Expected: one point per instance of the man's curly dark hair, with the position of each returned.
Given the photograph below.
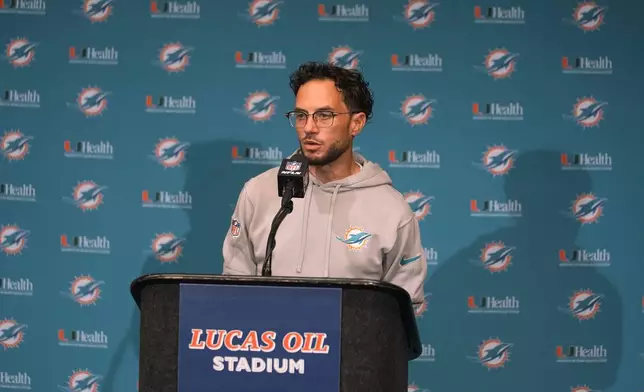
(356, 93)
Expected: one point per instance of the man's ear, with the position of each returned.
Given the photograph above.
(358, 122)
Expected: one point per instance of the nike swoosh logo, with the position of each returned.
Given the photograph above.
(405, 261)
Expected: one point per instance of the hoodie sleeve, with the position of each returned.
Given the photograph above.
(405, 263)
(238, 249)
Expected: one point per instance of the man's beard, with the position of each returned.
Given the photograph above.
(335, 151)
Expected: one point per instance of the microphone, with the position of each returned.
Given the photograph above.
(292, 178)
(292, 181)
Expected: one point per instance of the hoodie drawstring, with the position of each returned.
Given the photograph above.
(329, 231)
(308, 197)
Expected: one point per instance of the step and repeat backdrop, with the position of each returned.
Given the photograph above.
(512, 128)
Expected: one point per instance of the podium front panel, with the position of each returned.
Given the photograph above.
(259, 338)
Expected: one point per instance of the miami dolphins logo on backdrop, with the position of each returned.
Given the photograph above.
(419, 14)
(14, 145)
(11, 333)
(20, 52)
(419, 204)
(588, 208)
(259, 106)
(97, 11)
(13, 239)
(493, 353)
(416, 110)
(495, 257)
(587, 112)
(91, 101)
(170, 152)
(84, 290)
(81, 380)
(173, 57)
(499, 63)
(167, 247)
(497, 160)
(345, 57)
(588, 16)
(355, 238)
(263, 12)
(87, 195)
(583, 305)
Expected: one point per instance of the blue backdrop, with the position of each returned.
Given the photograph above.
(511, 127)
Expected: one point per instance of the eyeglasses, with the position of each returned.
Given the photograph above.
(322, 118)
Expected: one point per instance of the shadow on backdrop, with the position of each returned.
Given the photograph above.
(542, 288)
(215, 183)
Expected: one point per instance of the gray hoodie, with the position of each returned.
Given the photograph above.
(357, 227)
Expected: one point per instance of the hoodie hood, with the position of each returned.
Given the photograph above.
(371, 175)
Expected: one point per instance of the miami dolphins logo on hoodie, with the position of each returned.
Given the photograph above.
(355, 238)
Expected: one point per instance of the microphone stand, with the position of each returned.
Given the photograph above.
(285, 209)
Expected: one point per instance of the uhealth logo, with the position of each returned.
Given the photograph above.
(97, 11)
(16, 286)
(14, 145)
(428, 355)
(586, 161)
(499, 63)
(79, 338)
(599, 257)
(170, 152)
(87, 195)
(184, 104)
(259, 106)
(13, 239)
(263, 12)
(493, 305)
(512, 111)
(499, 15)
(107, 55)
(175, 9)
(88, 150)
(582, 354)
(254, 155)
(23, 7)
(587, 112)
(164, 199)
(20, 52)
(17, 192)
(20, 380)
(601, 65)
(263, 60)
(20, 99)
(496, 208)
(419, 14)
(413, 159)
(85, 244)
(343, 13)
(12, 333)
(345, 57)
(174, 57)
(416, 62)
(84, 290)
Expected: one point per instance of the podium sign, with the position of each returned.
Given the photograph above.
(259, 338)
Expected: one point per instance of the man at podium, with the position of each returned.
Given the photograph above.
(350, 222)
